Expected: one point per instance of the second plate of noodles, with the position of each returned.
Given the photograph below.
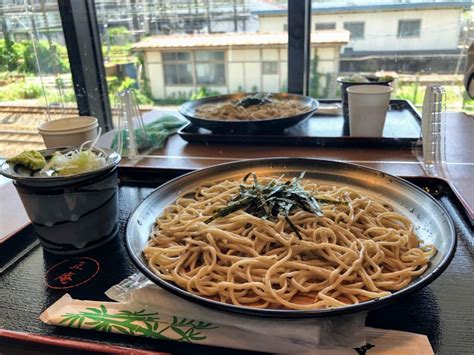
(277, 243)
(252, 112)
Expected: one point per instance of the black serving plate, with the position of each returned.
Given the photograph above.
(188, 110)
(444, 310)
(430, 219)
(402, 129)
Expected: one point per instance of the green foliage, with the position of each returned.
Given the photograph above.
(51, 60)
(118, 53)
(117, 85)
(9, 55)
(31, 91)
(117, 31)
(315, 78)
(20, 91)
(60, 83)
(142, 98)
(455, 95)
(119, 36)
(172, 100)
(54, 98)
(203, 92)
(328, 77)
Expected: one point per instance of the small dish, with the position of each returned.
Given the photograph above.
(27, 177)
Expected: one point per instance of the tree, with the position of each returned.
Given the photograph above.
(40, 54)
(8, 56)
(314, 85)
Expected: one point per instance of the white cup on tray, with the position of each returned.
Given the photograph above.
(368, 106)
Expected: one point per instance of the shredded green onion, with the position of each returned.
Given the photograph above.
(76, 161)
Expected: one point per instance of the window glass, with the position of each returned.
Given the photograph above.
(183, 56)
(409, 28)
(416, 42)
(325, 26)
(206, 56)
(356, 29)
(169, 52)
(175, 71)
(176, 74)
(270, 67)
(35, 79)
(185, 75)
(170, 56)
(210, 74)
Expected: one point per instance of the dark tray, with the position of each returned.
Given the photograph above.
(444, 310)
(402, 129)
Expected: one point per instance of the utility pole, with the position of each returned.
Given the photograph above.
(208, 16)
(235, 16)
(135, 21)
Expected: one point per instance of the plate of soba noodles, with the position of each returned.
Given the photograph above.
(290, 237)
(254, 112)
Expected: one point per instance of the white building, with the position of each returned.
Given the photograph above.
(228, 63)
(416, 29)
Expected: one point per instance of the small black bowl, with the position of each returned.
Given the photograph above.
(189, 108)
(71, 214)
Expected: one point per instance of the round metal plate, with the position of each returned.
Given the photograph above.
(432, 223)
(189, 108)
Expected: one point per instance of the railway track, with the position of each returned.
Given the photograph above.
(7, 136)
(37, 110)
(44, 110)
(18, 126)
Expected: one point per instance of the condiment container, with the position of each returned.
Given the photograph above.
(69, 131)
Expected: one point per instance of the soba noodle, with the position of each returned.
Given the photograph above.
(357, 251)
(230, 111)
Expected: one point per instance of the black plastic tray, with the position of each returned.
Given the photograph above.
(402, 129)
(444, 310)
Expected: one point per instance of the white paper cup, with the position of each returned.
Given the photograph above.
(70, 131)
(368, 106)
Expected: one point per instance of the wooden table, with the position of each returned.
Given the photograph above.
(179, 157)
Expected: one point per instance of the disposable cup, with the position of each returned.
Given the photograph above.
(69, 131)
(368, 106)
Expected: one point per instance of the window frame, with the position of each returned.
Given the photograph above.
(193, 63)
(81, 35)
(299, 46)
(354, 23)
(400, 21)
(80, 27)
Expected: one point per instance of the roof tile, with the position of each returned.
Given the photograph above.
(236, 40)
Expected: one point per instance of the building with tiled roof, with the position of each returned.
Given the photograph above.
(231, 62)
